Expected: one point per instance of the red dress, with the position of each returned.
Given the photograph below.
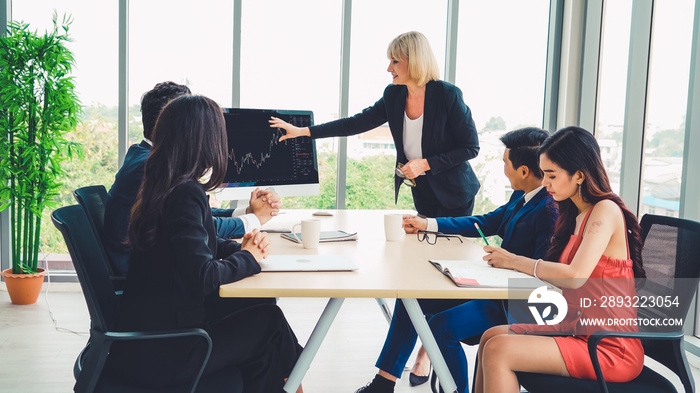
(621, 359)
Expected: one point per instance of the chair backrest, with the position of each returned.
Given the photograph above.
(90, 265)
(94, 199)
(671, 257)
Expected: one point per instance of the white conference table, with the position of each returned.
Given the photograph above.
(398, 270)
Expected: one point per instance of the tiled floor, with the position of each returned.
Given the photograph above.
(39, 342)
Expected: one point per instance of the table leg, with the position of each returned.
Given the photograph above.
(385, 309)
(312, 345)
(426, 336)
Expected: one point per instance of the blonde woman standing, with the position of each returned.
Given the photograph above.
(432, 128)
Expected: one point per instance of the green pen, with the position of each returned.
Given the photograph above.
(481, 233)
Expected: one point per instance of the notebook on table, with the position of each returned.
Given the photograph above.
(479, 273)
(307, 263)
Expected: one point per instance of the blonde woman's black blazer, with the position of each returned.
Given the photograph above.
(449, 137)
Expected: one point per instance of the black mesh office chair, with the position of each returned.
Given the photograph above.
(94, 199)
(92, 270)
(671, 252)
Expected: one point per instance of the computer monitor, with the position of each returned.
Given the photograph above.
(256, 158)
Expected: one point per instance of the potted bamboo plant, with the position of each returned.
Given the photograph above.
(38, 105)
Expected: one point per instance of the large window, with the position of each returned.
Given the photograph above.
(501, 65)
(95, 54)
(666, 107)
(612, 86)
(172, 40)
(95, 75)
(290, 59)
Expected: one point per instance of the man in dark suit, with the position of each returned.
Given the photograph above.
(264, 204)
(525, 224)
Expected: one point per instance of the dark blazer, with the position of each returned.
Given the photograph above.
(526, 232)
(121, 198)
(168, 282)
(169, 286)
(449, 138)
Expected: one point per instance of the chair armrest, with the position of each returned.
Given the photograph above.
(156, 335)
(599, 335)
(595, 338)
(166, 334)
(102, 342)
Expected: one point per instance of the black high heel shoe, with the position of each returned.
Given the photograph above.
(416, 380)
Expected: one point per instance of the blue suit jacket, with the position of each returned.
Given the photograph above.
(527, 232)
(449, 138)
(121, 198)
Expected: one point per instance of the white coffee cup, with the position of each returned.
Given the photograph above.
(393, 227)
(310, 232)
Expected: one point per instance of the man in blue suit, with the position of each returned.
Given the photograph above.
(264, 204)
(525, 224)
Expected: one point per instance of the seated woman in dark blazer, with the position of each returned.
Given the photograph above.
(177, 264)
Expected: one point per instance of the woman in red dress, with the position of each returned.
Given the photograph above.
(598, 247)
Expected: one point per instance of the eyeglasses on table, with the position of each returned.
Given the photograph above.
(431, 237)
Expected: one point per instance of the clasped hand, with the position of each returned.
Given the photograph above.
(256, 243)
(265, 204)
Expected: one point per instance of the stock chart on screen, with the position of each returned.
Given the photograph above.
(256, 157)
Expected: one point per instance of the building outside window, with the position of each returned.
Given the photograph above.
(666, 107)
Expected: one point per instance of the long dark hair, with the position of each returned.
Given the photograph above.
(189, 140)
(575, 149)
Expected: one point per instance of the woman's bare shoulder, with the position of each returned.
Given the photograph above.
(607, 211)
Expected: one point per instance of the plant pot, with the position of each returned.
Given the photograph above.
(24, 288)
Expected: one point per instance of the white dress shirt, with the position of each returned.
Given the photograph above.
(250, 220)
(412, 137)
